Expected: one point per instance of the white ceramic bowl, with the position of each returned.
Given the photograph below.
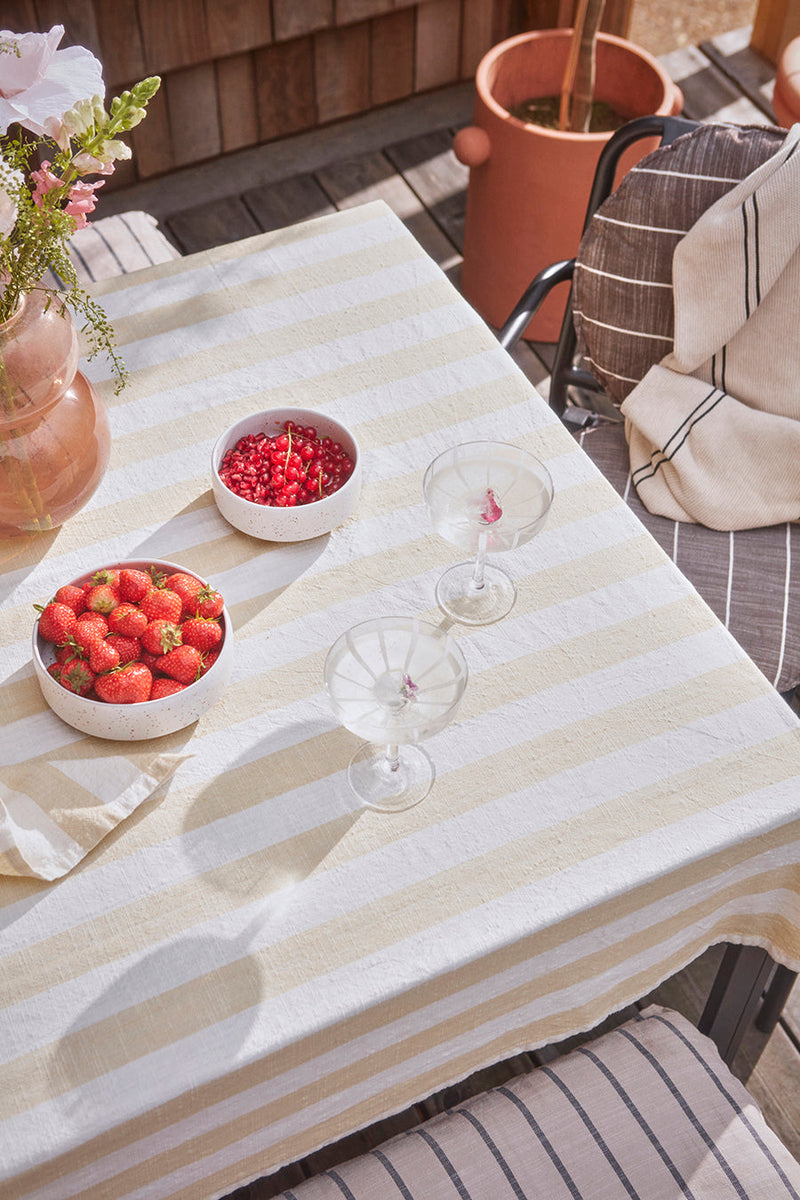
(286, 524)
(135, 722)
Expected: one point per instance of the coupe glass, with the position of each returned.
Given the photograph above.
(394, 681)
(484, 497)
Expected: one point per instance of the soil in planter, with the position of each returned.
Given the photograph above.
(543, 110)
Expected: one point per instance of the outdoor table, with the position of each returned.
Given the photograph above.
(248, 965)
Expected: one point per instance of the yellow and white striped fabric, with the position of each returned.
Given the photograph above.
(249, 966)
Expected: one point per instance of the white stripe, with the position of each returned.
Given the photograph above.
(599, 367)
(633, 225)
(785, 615)
(675, 543)
(657, 337)
(624, 278)
(731, 543)
(687, 175)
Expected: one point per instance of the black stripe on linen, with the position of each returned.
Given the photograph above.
(496, 1154)
(544, 1141)
(455, 1178)
(757, 255)
(340, 1183)
(689, 1113)
(722, 384)
(611, 1158)
(110, 248)
(637, 1115)
(741, 1114)
(746, 252)
(393, 1173)
(686, 426)
(75, 252)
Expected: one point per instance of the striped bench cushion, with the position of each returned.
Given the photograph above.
(647, 1112)
(745, 577)
(116, 245)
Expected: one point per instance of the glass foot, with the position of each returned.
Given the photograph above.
(379, 786)
(457, 595)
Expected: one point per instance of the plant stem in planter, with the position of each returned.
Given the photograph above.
(577, 90)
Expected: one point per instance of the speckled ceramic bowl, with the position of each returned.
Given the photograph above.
(287, 524)
(135, 722)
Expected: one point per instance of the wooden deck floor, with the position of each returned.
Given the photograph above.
(403, 156)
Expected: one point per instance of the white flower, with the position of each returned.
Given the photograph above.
(11, 181)
(41, 83)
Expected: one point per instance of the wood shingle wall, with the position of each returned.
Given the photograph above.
(239, 73)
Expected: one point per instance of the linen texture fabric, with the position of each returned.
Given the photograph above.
(647, 1111)
(623, 309)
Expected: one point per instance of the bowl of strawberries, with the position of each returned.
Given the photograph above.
(286, 474)
(133, 650)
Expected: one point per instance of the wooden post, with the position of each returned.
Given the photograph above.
(775, 24)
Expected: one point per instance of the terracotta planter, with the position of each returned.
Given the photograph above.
(529, 186)
(786, 96)
(54, 437)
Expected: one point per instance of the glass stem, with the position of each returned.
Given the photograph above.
(476, 583)
(393, 758)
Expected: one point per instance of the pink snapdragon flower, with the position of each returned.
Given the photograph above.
(81, 200)
(45, 181)
(81, 197)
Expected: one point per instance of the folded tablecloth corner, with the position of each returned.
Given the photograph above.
(55, 808)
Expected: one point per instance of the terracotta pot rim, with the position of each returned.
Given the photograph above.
(540, 35)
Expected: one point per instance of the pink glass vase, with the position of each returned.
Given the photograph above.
(54, 436)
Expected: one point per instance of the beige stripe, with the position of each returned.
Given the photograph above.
(234, 987)
(246, 246)
(401, 1094)
(259, 349)
(302, 677)
(239, 299)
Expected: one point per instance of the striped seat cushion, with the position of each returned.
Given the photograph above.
(647, 1112)
(745, 577)
(116, 245)
(622, 298)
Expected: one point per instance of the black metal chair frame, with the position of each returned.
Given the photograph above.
(749, 987)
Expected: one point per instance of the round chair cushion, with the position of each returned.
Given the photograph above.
(622, 295)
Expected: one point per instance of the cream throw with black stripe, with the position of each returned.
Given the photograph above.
(714, 429)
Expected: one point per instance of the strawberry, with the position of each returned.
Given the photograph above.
(183, 663)
(74, 598)
(88, 633)
(127, 619)
(149, 659)
(202, 632)
(102, 598)
(56, 621)
(129, 684)
(129, 649)
(187, 587)
(55, 670)
(208, 603)
(77, 676)
(69, 652)
(133, 585)
(165, 687)
(160, 636)
(208, 660)
(109, 575)
(103, 657)
(163, 604)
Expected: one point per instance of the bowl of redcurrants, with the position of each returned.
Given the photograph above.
(286, 474)
(133, 650)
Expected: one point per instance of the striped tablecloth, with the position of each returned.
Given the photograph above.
(248, 966)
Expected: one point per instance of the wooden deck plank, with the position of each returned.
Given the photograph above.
(708, 94)
(431, 169)
(285, 203)
(372, 177)
(211, 224)
(748, 70)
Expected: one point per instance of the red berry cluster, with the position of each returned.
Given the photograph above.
(293, 467)
(126, 636)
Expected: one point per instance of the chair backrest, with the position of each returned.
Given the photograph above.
(622, 272)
